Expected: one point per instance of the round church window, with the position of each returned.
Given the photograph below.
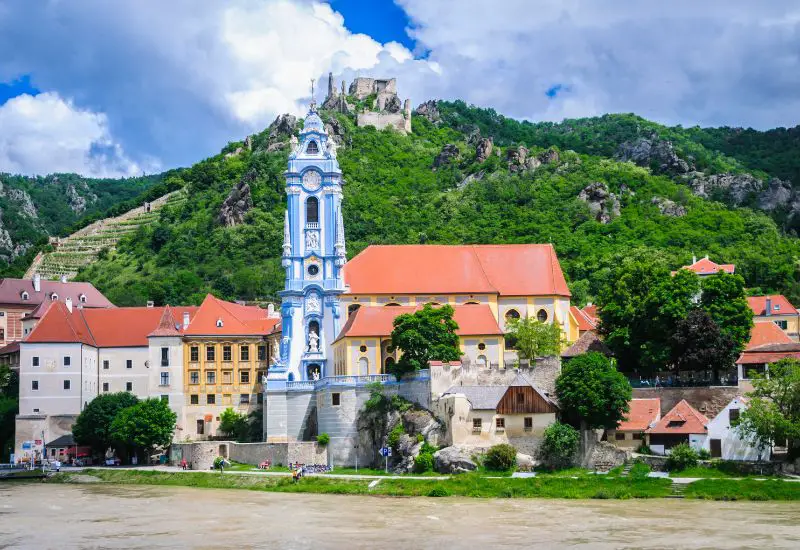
(313, 270)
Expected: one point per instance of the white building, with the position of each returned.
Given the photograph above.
(725, 441)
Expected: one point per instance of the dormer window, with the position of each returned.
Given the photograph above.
(219, 323)
(25, 296)
(54, 297)
(777, 307)
(313, 148)
(82, 298)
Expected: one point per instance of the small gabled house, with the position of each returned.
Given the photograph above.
(776, 309)
(682, 424)
(631, 433)
(482, 416)
(725, 440)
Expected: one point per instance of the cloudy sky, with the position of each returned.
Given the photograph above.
(130, 86)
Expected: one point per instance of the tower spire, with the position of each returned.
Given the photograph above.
(313, 106)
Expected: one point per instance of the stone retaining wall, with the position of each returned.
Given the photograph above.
(200, 455)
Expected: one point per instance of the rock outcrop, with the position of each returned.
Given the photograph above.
(447, 155)
(23, 201)
(603, 204)
(653, 152)
(469, 179)
(335, 130)
(453, 460)
(549, 156)
(429, 110)
(736, 189)
(483, 149)
(76, 202)
(517, 158)
(668, 207)
(283, 127)
(777, 195)
(238, 202)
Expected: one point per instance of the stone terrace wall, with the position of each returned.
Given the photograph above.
(709, 401)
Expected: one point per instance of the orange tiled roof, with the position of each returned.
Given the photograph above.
(11, 291)
(508, 270)
(473, 320)
(584, 321)
(592, 312)
(682, 419)
(117, 327)
(237, 320)
(766, 354)
(643, 413)
(704, 266)
(766, 333)
(759, 305)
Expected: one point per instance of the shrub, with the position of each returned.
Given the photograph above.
(559, 446)
(681, 456)
(323, 439)
(219, 462)
(394, 436)
(423, 463)
(500, 458)
(438, 492)
(703, 454)
(644, 450)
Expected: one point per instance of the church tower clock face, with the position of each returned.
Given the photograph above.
(312, 180)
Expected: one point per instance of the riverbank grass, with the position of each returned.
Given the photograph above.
(743, 489)
(467, 485)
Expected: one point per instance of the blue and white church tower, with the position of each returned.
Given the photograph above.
(313, 256)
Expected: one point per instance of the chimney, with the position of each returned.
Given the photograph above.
(68, 301)
(768, 306)
(37, 282)
(185, 320)
(694, 259)
(63, 278)
(150, 303)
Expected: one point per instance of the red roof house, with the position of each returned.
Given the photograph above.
(775, 304)
(704, 267)
(678, 426)
(643, 414)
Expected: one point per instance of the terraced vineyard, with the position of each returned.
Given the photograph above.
(82, 247)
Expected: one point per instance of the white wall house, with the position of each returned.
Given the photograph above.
(725, 441)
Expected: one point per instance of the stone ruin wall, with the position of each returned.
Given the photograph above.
(542, 374)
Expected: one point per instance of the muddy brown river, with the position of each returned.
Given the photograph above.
(111, 516)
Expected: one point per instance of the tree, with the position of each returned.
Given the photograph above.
(773, 411)
(425, 335)
(725, 301)
(699, 345)
(533, 339)
(234, 424)
(148, 425)
(93, 425)
(592, 391)
(559, 445)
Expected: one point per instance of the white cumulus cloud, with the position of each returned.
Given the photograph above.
(45, 134)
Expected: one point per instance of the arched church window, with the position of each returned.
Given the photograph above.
(363, 366)
(313, 148)
(392, 304)
(352, 308)
(388, 363)
(481, 360)
(472, 303)
(512, 315)
(312, 210)
(541, 315)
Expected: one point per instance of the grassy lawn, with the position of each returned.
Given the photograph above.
(374, 472)
(710, 473)
(239, 467)
(743, 489)
(468, 485)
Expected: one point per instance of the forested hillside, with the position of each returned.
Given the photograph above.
(33, 208)
(598, 189)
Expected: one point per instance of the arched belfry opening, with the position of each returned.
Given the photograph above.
(312, 210)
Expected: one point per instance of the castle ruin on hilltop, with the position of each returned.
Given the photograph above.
(386, 110)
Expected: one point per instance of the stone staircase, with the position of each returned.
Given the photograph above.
(82, 247)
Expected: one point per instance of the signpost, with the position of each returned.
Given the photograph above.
(386, 452)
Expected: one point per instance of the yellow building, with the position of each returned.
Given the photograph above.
(778, 310)
(226, 350)
(511, 281)
(364, 345)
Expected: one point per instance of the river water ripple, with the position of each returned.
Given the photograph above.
(115, 516)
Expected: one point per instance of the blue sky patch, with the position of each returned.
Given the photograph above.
(20, 86)
(554, 90)
(383, 20)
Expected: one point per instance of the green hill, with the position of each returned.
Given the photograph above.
(34, 208)
(393, 195)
